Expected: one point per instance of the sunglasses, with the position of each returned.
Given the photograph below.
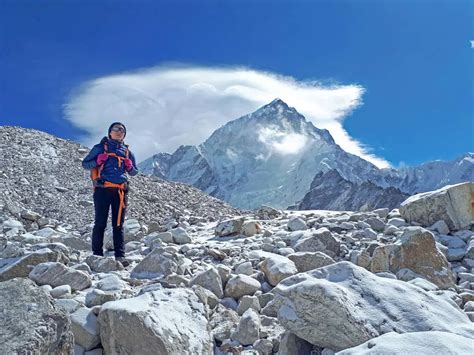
(118, 129)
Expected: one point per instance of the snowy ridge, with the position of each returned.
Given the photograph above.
(272, 155)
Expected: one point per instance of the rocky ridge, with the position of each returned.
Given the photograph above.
(43, 184)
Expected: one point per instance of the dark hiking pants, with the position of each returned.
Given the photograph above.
(103, 199)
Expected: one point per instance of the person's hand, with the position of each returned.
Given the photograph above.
(101, 158)
(128, 164)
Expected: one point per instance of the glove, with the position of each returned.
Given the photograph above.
(101, 158)
(128, 164)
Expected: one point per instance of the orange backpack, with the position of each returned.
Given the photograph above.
(96, 172)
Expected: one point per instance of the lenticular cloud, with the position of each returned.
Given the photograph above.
(167, 106)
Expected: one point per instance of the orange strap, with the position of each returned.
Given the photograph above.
(120, 188)
(119, 158)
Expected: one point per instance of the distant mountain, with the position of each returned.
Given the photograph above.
(273, 155)
(267, 157)
(431, 175)
(330, 191)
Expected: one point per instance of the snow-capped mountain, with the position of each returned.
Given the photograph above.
(267, 157)
(272, 156)
(431, 175)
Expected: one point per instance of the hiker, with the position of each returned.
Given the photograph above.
(110, 161)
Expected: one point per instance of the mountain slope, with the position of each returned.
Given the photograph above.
(43, 173)
(272, 155)
(332, 192)
(267, 157)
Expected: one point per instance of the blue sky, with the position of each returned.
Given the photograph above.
(412, 60)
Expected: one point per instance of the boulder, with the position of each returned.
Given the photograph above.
(454, 204)
(210, 280)
(31, 321)
(240, 285)
(278, 267)
(296, 224)
(416, 250)
(180, 236)
(306, 261)
(23, 266)
(229, 227)
(434, 342)
(321, 240)
(57, 274)
(168, 321)
(248, 330)
(101, 264)
(84, 327)
(159, 263)
(342, 305)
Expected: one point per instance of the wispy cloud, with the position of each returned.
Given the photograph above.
(282, 142)
(166, 106)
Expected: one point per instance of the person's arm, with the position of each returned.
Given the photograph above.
(134, 170)
(90, 161)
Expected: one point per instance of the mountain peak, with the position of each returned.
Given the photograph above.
(278, 102)
(277, 106)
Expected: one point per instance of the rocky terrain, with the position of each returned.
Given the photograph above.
(208, 279)
(286, 282)
(43, 174)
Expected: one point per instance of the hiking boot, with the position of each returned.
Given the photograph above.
(122, 260)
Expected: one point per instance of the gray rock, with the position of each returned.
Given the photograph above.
(60, 291)
(441, 227)
(229, 227)
(244, 268)
(452, 204)
(240, 285)
(222, 321)
(69, 305)
(171, 321)
(57, 274)
(102, 264)
(75, 243)
(434, 342)
(456, 254)
(111, 283)
(248, 330)
(210, 280)
(341, 321)
(322, 240)
(396, 222)
(291, 344)
(84, 327)
(277, 268)
(247, 302)
(23, 266)
(32, 323)
(98, 297)
(158, 263)
(377, 224)
(296, 224)
(180, 236)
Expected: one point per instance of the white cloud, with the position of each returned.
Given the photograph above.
(282, 142)
(170, 105)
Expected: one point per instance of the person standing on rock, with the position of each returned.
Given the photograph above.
(110, 161)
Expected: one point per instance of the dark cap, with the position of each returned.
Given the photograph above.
(118, 123)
